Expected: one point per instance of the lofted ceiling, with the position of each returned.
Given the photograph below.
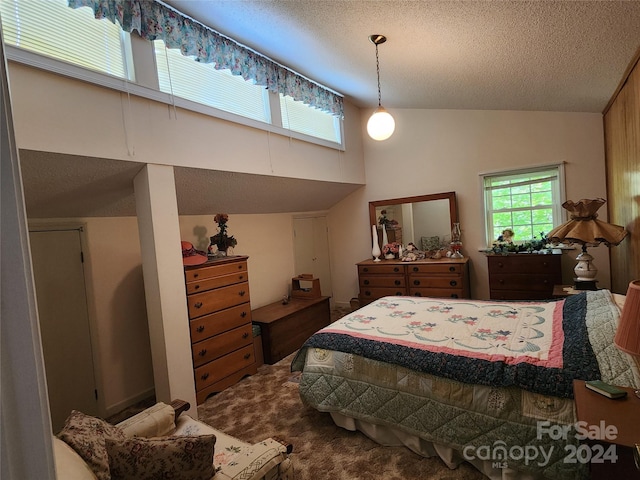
(481, 54)
(496, 55)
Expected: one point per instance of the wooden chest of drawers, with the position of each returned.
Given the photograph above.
(523, 276)
(423, 278)
(220, 324)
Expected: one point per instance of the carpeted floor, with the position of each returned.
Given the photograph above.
(268, 404)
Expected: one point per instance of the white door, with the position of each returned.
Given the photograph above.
(311, 245)
(64, 323)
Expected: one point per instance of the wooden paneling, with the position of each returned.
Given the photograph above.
(622, 150)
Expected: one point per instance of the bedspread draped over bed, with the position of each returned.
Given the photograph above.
(497, 344)
(467, 374)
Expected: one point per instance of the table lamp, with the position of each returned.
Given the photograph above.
(627, 336)
(585, 229)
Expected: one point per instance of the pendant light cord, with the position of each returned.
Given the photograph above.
(378, 73)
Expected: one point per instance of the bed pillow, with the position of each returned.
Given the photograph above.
(178, 458)
(87, 435)
(430, 243)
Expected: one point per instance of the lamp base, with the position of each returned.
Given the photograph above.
(584, 284)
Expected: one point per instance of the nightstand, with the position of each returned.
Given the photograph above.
(595, 413)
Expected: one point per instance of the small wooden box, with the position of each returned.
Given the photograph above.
(310, 287)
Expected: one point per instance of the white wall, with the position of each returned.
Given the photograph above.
(435, 151)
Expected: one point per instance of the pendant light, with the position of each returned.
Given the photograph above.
(381, 124)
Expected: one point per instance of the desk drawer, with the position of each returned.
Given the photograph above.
(216, 282)
(416, 281)
(217, 346)
(437, 292)
(378, 292)
(436, 268)
(381, 269)
(204, 273)
(224, 366)
(208, 302)
(391, 281)
(222, 321)
(532, 282)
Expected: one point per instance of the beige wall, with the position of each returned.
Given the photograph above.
(57, 114)
(435, 151)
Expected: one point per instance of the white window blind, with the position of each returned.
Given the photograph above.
(305, 119)
(51, 28)
(200, 82)
(526, 201)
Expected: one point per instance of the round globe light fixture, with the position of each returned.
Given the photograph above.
(381, 124)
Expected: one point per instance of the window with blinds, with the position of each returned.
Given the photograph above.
(200, 82)
(305, 119)
(525, 201)
(51, 28)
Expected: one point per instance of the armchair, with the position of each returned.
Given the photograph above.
(233, 458)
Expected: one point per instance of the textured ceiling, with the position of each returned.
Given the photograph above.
(74, 186)
(498, 55)
(495, 55)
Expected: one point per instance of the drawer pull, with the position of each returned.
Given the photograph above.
(396, 269)
(501, 282)
(365, 269)
(200, 328)
(240, 277)
(241, 293)
(500, 264)
(245, 335)
(202, 352)
(243, 314)
(453, 283)
(204, 376)
(196, 275)
(240, 267)
(198, 305)
(367, 294)
(452, 269)
(416, 282)
(196, 287)
(366, 282)
(399, 294)
(397, 282)
(247, 356)
(454, 295)
(418, 294)
(416, 269)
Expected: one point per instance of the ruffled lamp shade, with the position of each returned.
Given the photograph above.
(585, 229)
(584, 226)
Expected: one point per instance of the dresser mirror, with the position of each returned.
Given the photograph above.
(424, 220)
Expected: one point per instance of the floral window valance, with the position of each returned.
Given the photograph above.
(156, 21)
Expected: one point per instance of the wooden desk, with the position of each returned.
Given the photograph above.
(284, 328)
(624, 414)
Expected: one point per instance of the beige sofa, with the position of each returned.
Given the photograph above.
(233, 458)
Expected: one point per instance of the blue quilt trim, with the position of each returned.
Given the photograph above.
(578, 358)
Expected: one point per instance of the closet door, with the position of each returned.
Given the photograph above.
(64, 323)
(311, 245)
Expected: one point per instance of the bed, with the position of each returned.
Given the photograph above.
(488, 382)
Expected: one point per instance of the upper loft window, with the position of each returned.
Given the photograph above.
(51, 28)
(526, 201)
(305, 119)
(183, 77)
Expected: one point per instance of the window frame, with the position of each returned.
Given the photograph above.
(152, 91)
(559, 213)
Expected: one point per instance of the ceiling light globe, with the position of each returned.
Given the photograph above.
(381, 125)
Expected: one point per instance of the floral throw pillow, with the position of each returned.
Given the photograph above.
(178, 458)
(86, 435)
